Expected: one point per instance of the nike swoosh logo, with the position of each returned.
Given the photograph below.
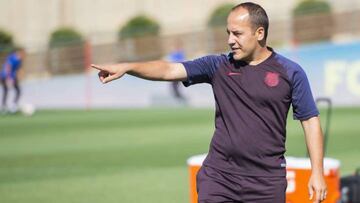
(233, 73)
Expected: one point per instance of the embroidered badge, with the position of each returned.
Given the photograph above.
(271, 79)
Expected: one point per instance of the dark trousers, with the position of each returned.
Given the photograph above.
(5, 91)
(176, 90)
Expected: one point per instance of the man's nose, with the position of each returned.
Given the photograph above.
(231, 40)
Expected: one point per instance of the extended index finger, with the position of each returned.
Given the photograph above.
(97, 67)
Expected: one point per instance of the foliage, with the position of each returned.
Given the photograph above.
(139, 26)
(6, 41)
(219, 15)
(65, 36)
(311, 7)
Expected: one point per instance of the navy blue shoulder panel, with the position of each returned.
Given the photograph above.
(202, 70)
(303, 103)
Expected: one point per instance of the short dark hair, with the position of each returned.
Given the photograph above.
(257, 15)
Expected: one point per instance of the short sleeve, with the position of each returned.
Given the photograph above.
(201, 70)
(303, 103)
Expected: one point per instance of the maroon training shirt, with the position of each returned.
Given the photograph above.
(252, 103)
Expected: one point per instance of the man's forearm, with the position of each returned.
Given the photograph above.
(314, 142)
(157, 70)
(153, 70)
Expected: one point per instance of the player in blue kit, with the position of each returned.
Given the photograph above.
(253, 88)
(9, 76)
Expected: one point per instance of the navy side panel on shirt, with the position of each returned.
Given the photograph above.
(252, 103)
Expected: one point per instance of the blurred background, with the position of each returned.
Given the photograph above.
(128, 141)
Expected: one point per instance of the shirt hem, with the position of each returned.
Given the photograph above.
(242, 173)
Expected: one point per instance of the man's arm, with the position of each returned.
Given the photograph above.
(314, 142)
(154, 70)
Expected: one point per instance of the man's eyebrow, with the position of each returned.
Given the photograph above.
(233, 31)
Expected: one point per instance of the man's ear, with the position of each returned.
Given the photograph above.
(260, 33)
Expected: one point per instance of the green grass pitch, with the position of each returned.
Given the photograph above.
(126, 155)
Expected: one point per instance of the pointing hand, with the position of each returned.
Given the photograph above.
(110, 72)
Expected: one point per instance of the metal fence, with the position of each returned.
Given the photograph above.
(75, 58)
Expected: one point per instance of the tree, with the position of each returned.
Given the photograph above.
(312, 21)
(139, 38)
(219, 15)
(6, 42)
(139, 26)
(65, 36)
(66, 52)
(311, 7)
(217, 22)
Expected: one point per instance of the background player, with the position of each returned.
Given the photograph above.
(9, 77)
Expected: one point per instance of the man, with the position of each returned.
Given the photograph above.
(9, 76)
(253, 88)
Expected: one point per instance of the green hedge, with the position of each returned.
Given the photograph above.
(139, 26)
(65, 36)
(6, 41)
(219, 15)
(311, 7)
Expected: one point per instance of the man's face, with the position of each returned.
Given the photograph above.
(243, 40)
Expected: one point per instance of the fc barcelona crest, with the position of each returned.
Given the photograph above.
(271, 79)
